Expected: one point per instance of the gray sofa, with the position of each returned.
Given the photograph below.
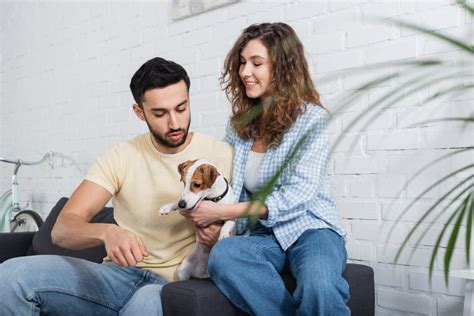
(182, 298)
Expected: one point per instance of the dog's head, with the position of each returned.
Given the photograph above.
(198, 177)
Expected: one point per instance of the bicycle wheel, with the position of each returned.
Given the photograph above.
(26, 221)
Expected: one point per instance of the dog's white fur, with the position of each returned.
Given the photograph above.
(195, 264)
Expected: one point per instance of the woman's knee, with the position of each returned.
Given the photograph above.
(223, 253)
(324, 288)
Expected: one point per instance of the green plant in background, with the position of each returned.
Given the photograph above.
(438, 78)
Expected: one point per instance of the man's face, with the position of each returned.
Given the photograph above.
(167, 114)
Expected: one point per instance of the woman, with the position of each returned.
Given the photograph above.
(274, 104)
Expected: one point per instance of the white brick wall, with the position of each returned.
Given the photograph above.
(64, 74)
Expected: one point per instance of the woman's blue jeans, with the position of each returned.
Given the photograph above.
(247, 270)
(56, 285)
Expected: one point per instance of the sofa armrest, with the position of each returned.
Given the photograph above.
(196, 298)
(14, 245)
(362, 289)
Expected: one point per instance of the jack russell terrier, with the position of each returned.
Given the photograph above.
(201, 181)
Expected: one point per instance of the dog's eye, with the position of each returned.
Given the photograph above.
(196, 185)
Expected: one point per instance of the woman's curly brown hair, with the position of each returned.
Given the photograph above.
(290, 88)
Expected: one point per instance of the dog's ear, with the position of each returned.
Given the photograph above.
(183, 168)
(212, 173)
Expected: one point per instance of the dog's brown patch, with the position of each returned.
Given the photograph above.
(203, 178)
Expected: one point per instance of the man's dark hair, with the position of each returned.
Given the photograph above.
(156, 73)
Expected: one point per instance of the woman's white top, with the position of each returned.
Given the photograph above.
(252, 171)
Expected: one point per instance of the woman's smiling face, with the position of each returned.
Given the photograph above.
(255, 69)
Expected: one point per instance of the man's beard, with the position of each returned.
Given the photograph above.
(165, 142)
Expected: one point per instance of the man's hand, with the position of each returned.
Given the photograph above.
(208, 235)
(124, 247)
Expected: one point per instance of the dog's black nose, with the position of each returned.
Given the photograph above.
(182, 204)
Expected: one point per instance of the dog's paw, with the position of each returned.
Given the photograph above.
(229, 229)
(166, 209)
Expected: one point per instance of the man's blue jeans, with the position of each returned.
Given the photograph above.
(247, 270)
(56, 285)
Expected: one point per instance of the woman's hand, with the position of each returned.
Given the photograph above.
(209, 235)
(204, 214)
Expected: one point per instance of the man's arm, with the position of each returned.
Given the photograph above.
(73, 230)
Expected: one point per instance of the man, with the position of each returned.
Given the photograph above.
(143, 249)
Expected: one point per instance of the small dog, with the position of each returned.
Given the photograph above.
(201, 181)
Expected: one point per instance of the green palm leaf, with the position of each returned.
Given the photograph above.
(452, 240)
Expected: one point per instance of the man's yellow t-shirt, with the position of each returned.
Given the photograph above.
(141, 180)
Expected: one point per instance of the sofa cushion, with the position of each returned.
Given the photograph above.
(202, 297)
(43, 245)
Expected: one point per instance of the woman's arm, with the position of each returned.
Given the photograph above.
(208, 212)
(307, 173)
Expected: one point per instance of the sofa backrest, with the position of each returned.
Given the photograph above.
(43, 245)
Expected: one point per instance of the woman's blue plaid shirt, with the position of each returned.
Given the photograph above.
(300, 200)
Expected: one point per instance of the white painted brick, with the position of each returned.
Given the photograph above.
(338, 61)
(358, 209)
(359, 251)
(182, 26)
(381, 9)
(422, 6)
(328, 86)
(213, 49)
(419, 258)
(362, 186)
(369, 34)
(353, 121)
(229, 31)
(338, 21)
(383, 312)
(389, 276)
(435, 19)
(359, 165)
(391, 210)
(268, 16)
(395, 140)
(398, 50)
(210, 84)
(388, 187)
(409, 302)
(303, 28)
(350, 143)
(452, 306)
(183, 56)
(411, 162)
(437, 137)
(197, 37)
(361, 77)
(337, 186)
(342, 105)
(418, 185)
(335, 5)
(206, 68)
(245, 8)
(362, 230)
(334, 128)
(211, 17)
(419, 281)
(305, 9)
(429, 45)
(325, 43)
